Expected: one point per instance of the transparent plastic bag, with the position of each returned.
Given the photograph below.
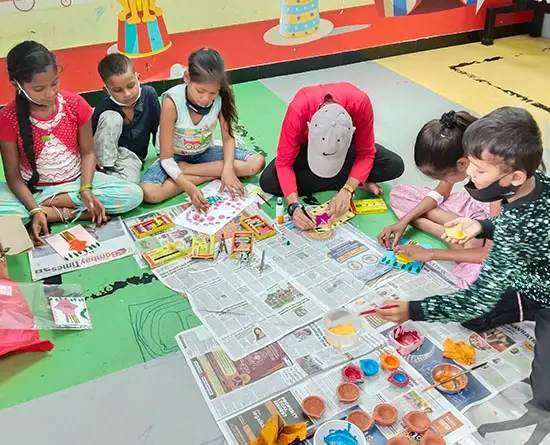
(30, 306)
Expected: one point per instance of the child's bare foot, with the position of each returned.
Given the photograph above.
(372, 187)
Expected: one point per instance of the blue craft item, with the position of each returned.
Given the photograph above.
(341, 437)
(389, 259)
(369, 366)
(213, 199)
(399, 378)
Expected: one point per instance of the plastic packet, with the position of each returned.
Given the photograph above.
(30, 306)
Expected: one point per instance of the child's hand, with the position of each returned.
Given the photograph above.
(198, 199)
(94, 206)
(415, 253)
(470, 227)
(390, 236)
(398, 314)
(231, 182)
(39, 226)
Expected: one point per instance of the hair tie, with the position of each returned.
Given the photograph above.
(448, 120)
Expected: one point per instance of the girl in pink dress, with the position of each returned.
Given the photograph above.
(438, 153)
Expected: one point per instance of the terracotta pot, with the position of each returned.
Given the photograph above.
(314, 406)
(348, 392)
(389, 362)
(398, 440)
(432, 438)
(417, 422)
(361, 420)
(385, 414)
(352, 374)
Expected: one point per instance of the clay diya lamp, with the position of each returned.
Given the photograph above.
(352, 374)
(313, 406)
(369, 366)
(389, 362)
(385, 414)
(398, 440)
(432, 438)
(361, 420)
(348, 392)
(399, 378)
(417, 422)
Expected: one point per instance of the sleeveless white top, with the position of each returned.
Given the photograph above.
(191, 139)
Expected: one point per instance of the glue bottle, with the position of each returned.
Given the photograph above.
(280, 211)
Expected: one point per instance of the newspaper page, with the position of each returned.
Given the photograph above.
(229, 386)
(114, 241)
(247, 309)
(245, 426)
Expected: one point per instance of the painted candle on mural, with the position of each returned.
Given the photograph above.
(141, 29)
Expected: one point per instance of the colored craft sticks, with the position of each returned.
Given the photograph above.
(258, 226)
(152, 226)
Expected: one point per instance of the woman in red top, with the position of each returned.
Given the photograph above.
(327, 143)
(48, 153)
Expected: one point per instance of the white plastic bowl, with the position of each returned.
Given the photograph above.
(330, 429)
(342, 316)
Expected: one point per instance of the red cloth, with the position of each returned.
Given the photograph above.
(19, 340)
(294, 132)
(55, 139)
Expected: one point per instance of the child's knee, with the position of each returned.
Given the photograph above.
(255, 164)
(110, 118)
(152, 193)
(135, 196)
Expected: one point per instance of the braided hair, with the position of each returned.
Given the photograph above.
(24, 61)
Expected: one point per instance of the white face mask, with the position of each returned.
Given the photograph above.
(120, 104)
(22, 91)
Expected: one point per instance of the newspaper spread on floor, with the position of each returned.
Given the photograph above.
(114, 241)
(244, 394)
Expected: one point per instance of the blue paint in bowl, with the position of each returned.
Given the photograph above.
(369, 366)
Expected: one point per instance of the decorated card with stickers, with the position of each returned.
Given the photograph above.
(73, 243)
(70, 312)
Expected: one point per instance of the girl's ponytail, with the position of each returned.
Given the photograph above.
(229, 108)
(25, 129)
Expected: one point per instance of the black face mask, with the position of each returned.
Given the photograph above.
(491, 193)
(203, 111)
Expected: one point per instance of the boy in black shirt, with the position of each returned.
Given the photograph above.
(124, 122)
(505, 150)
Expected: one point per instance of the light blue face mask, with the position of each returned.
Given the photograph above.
(24, 93)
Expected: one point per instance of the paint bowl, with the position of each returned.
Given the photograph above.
(348, 392)
(314, 406)
(369, 366)
(389, 362)
(399, 378)
(352, 374)
(385, 414)
(406, 338)
(343, 328)
(432, 438)
(338, 432)
(417, 422)
(360, 419)
(398, 440)
(444, 371)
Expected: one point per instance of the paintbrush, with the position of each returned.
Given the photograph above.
(450, 379)
(373, 311)
(264, 200)
(262, 262)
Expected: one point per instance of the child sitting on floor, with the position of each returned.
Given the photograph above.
(124, 122)
(505, 150)
(438, 153)
(189, 115)
(48, 151)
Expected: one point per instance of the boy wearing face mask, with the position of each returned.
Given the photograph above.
(124, 122)
(505, 150)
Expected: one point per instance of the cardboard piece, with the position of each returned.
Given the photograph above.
(14, 236)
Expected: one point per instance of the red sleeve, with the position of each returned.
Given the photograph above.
(288, 149)
(8, 128)
(84, 111)
(364, 141)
